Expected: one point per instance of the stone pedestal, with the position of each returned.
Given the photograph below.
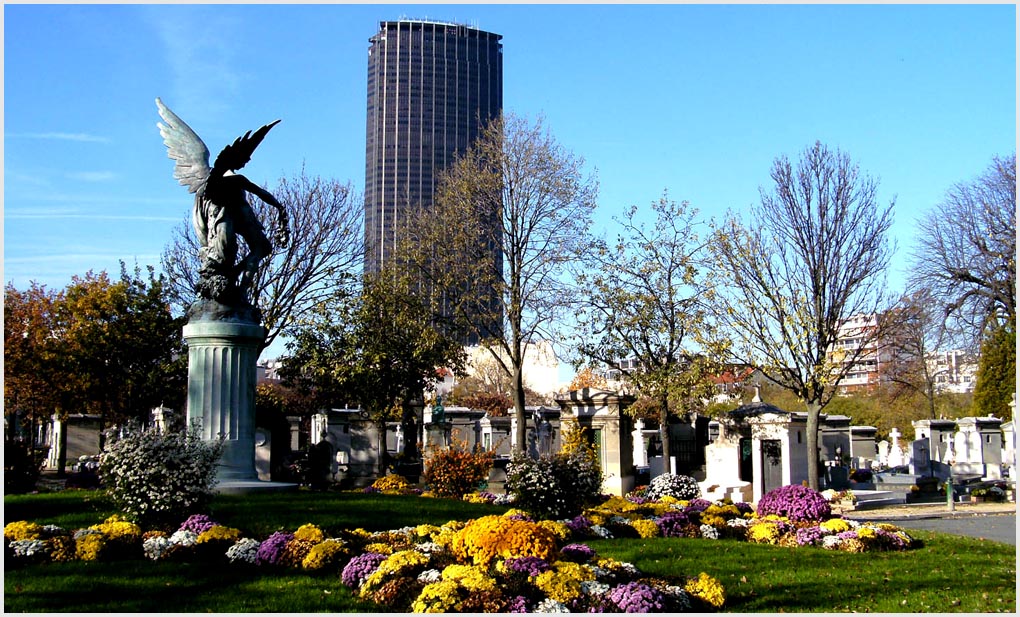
(221, 391)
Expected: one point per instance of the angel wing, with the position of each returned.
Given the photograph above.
(236, 155)
(184, 147)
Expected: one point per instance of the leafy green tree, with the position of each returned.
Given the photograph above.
(123, 347)
(996, 377)
(645, 312)
(106, 347)
(378, 348)
(812, 255)
(508, 217)
(33, 389)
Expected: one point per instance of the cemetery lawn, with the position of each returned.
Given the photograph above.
(947, 574)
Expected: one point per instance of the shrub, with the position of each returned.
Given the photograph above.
(556, 486)
(795, 502)
(489, 538)
(22, 466)
(156, 477)
(456, 471)
(392, 483)
(673, 485)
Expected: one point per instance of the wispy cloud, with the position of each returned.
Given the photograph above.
(82, 137)
(202, 56)
(92, 176)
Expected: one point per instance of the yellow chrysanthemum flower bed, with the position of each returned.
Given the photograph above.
(707, 589)
(439, 597)
(835, 525)
(325, 554)
(115, 528)
(392, 484)
(90, 547)
(396, 563)
(22, 530)
(646, 528)
(472, 578)
(563, 582)
(485, 539)
(763, 532)
(558, 529)
(219, 533)
(310, 533)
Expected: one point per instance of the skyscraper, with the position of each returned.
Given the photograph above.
(432, 86)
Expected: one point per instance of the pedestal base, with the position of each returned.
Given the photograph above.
(221, 391)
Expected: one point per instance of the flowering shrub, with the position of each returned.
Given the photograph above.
(553, 486)
(456, 471)
(392, 484)
(708, 590)
(272, 548)
(560, 485)
(198, 523)
(153, 476)
(563, 582)
(486, 539)
(358, 568)
(244, 550)
(673, 485)
(324, 555)
(646, 528)
(635, 597)
(310, 533)
(796, 502)
(22, 530)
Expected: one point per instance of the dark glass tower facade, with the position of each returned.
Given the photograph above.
(432, 86)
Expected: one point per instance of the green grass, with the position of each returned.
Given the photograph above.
(948, 574)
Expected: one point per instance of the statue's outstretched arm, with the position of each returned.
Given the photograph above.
(283, 231)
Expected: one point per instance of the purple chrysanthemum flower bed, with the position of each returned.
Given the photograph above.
(520, 516)
(697, 505)
(531, 566)
(579, 524)
(370, 490)
(518, 605)
(810, 536)
(581, 553)
(359, 568)
(270, 550)
(796, 502)
(635, 597)
(198, 523)
(672, 524)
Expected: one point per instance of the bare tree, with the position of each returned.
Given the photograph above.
(645, 311)
(324, 253)
(508, 217)
(813, 256)
(918, 332)
(966, 251)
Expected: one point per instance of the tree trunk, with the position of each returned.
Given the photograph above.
(813, 412)
(520, 435)
(664, 434)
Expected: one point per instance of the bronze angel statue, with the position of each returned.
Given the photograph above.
(221, 213)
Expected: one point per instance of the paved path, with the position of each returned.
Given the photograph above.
(991, 521)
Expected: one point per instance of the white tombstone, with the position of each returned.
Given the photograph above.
(895, 451)
(263, 451)
(640, 452)
(883, 453)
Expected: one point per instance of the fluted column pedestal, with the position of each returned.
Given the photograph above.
(221, 390)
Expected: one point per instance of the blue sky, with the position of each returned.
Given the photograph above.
(694, 99)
